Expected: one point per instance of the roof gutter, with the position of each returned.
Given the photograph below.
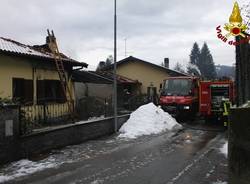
(77, 69)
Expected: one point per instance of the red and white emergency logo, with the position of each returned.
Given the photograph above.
(235, 27)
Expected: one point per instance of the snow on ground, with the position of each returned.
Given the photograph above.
(147, 119)
(96, 118)
(224, 149)
(25, 167)
(56, 158)
(97, 182)
(220, 182)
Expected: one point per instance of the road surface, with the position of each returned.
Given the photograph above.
(184, 157)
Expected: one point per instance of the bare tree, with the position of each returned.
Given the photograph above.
(179, 67)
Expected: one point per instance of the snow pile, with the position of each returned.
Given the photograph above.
(224, 149)
(147, 119)
(25, 167)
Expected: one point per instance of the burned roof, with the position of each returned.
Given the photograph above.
(12, 47)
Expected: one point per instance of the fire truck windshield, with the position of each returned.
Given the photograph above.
(179, 87)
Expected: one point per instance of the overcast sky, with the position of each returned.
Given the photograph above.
(154, 29)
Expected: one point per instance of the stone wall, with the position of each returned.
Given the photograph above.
(239, 146)
(9, 134)
(68, 135)
(14, 147)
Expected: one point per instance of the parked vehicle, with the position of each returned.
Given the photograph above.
(179, 96)
(186, 96)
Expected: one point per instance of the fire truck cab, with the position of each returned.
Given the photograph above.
(180, 95)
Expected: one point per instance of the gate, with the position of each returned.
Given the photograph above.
(39, 116)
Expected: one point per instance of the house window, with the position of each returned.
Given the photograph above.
(22, 90)
(50, 91)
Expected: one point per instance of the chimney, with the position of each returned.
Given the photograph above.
(102, 64)
(51, 41)
(166, 62)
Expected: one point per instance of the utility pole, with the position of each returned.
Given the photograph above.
(238, 142)
(115, 77)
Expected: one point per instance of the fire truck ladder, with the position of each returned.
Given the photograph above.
(61, 72)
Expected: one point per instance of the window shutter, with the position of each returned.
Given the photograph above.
(18, 89)
(40, 91)
(28, 91)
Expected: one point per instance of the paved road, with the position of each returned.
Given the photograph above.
(189, 156)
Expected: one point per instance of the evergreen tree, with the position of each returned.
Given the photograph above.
(194, 59)
(179, 67)
(195, 54)
(206, 63)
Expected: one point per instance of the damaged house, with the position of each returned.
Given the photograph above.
(29, 75)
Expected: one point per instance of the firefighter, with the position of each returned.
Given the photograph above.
(226, 104)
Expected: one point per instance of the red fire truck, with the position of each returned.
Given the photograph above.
(186, 96)
(179, 96)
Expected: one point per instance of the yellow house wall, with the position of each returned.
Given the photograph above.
(20, 68)
(15, 67)
(143, 73)
(9, 69)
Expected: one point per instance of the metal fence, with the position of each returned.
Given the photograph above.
(39, 116)
(88, 107)
(35, 117)
(136, 101)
